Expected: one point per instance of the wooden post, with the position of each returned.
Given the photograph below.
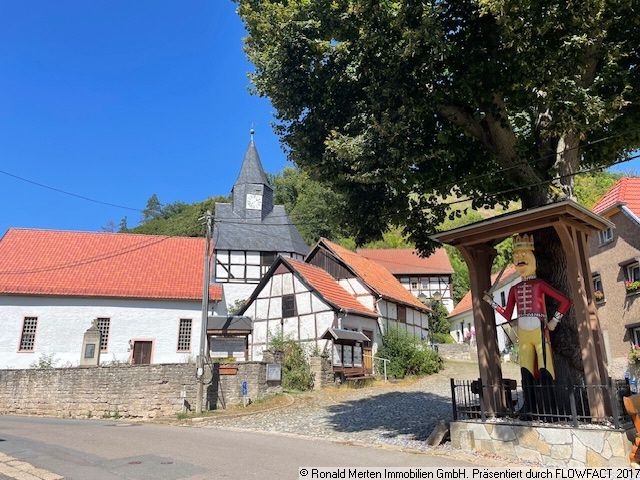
(479, 259)
(575, 276)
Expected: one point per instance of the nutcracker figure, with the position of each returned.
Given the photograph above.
(536, 361)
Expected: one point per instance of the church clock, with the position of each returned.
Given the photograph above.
(254, 202)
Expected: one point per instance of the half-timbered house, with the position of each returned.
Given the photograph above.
(336, 301)
(250, 232)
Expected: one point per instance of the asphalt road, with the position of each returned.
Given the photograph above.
(107, 450)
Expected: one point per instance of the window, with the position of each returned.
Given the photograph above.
(414, 284)
(267, 258)
(503, 299)
(598, 291)
(633, 272)
(605, 236)
(103, 325)
(289, 306)
(402, 314)
(184, 335)
(28, 338)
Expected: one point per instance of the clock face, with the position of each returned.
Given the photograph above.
(254, 202)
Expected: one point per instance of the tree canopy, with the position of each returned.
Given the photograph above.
(402, 104)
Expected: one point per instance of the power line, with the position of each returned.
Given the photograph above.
(71, 194)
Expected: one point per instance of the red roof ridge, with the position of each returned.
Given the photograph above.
(328, 287)
(375, 276)
(465, 303)
(102, 264)
(91, 232)
(625, 191)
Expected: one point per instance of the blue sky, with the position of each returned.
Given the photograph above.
(117, 100)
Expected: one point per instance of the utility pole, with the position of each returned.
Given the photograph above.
(208, 218)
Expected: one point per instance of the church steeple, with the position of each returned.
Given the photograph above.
(252, 194)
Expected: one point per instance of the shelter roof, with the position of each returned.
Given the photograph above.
(408, 261)
(91, 264)
(498, 228)
(378, 278)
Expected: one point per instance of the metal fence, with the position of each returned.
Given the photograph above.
(545, 403)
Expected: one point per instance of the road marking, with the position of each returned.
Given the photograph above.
(19, 470)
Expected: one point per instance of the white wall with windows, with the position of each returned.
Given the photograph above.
(36, 326)
(429, 286)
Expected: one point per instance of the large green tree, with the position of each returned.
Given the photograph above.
(400, 104)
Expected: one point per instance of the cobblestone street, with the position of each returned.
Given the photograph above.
(401, 414)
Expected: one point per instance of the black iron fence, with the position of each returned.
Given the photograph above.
(545, 403)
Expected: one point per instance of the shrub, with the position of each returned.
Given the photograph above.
(45, 361)
(408, 355)
(296, 371)
(441, 338)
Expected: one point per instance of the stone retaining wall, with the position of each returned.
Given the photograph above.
(549, 446)
(145, 391)
(457, 351)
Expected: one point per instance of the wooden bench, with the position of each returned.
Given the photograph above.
(632, 406)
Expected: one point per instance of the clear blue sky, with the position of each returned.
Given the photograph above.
(117, 100)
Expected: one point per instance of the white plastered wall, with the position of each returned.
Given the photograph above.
(62, 322)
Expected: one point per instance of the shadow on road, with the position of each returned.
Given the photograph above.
(413, 414)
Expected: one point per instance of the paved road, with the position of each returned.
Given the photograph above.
(107, 450)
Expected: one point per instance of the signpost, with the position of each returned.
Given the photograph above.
(244, 393)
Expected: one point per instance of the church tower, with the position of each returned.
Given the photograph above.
(250, 232)
(252, 195)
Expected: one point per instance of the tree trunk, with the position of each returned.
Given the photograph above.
(552, 267)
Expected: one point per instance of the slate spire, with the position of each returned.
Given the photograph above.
(252, 185)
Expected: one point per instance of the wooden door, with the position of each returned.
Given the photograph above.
(367, 352)
(142, 353)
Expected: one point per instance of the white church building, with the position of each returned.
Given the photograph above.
(144, 292)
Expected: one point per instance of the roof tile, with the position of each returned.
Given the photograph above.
(626, 191)
(328, 287)
(407, 261)
(53, 262)
(376, 276)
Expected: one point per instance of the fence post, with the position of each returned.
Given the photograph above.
(453, 400)
(614, 403)
(481, 395)
(572, 403)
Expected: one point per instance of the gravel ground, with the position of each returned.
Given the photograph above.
(401, 414)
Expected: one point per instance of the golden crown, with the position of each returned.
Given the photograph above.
(523, 242)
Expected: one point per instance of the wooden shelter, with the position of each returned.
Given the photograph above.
(573, 224)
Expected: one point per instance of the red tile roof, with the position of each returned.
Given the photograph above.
(465, 304)
(328, 287)
(407, 260)
(52, 262)
(375, 276)
(626, 190)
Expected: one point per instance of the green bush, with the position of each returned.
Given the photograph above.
(441, 338)
(296, 371)
(408, 355)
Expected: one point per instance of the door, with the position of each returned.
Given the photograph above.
(142, 353)
(367, 352)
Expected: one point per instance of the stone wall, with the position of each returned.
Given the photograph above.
(321, 371)
(144, 391)
(457, 351)
(549, 446)
(226, 390)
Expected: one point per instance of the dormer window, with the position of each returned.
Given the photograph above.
(605, 236)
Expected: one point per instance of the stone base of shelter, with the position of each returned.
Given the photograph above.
(563, 447)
